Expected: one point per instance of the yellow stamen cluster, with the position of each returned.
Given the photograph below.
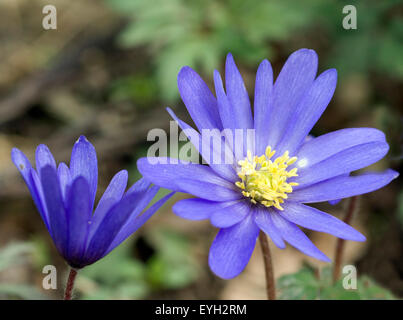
(265, 181)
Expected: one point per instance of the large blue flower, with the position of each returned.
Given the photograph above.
(65, 200)
(266, 188)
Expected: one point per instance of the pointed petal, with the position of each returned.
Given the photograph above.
(317, 220)
(308, 111)
(110, 226)
(136, 222)
(343, 187)
(63, 172)
(235, 110)
(224, 106)
(232, 248)
(198, 99)
(294, 236)
(24, 167)
(239, 140)
(140, 185)
(206, 190)
(162, 172)
(197, 209)
(116, 187)
(231, 214)
(148, 195)
(295, 78)
(237, 95)
(187, 177)
(218, 155)
(264, 221)
(78, 217)
(344, 162)
(112, 195)
(39, 195)
(43, 158)
(22, 164)
(320, 148)
(55, 208)
(263, 105)
(84, 163)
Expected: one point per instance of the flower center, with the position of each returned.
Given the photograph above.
(264, 180)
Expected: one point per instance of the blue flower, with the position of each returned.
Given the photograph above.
(267, 186)
(65, 200)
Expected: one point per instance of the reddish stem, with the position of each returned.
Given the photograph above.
(340, 242)
(70, 284)
(268, 267)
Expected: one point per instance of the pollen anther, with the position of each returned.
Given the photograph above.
(264, 181)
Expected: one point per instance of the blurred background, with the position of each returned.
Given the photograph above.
(109, 71)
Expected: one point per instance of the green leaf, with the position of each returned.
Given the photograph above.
(172, 266)
(14, 254)
(369, 289)
(200, 33)
(301, 285)
(139, 88)
(190, 52)
(17, 291)
(304, 284)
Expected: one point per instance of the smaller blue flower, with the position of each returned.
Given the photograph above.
(65, 200)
